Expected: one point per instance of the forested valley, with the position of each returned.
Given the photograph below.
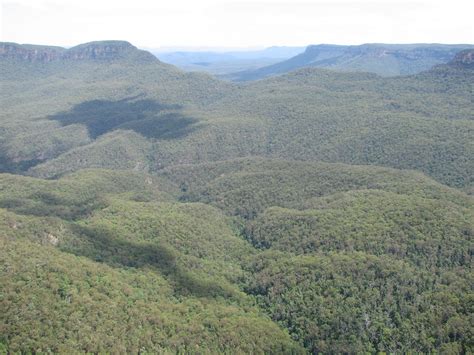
(145, 209)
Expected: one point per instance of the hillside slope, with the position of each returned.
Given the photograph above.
(145, 115)
(89, 254)
(161, 262)
(57, 102)
(346, 248)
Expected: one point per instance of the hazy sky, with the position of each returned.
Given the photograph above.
(236, 23)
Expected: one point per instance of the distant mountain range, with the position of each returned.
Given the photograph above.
(220, 63)
(382, 59)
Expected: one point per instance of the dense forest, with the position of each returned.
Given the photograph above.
(145, 209)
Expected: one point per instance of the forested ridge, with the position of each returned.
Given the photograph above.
(144, 209)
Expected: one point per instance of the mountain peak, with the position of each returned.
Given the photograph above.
(99, 50)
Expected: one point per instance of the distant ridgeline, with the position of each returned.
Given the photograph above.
(93, 50)
(382, 59)
(144, 209)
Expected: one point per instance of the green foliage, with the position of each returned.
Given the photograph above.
(55, 302)
(391, 251)
(357, 303)
(391, 254)
(405, 123)
(123, 150)
(75, 196)
(246, 187)
(138, 266)
(427, 232)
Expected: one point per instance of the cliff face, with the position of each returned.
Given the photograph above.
(99, 50)
(464, 59)
(30, 53)
(103, 50)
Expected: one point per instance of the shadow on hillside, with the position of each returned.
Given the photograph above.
(47, 204)
(8, 165)
(100, 245)
(145, 116)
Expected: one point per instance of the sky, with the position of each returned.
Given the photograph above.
(214, 24)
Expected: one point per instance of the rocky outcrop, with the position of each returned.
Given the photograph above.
(102, 50)
(464, 59)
